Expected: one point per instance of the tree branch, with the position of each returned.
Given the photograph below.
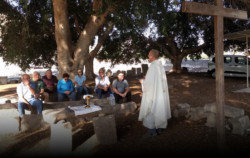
(194, 50)
(101, 40)
(165, 50)
(77, 24)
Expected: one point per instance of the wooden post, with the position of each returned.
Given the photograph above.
(219, 13)
(219, 63)
(247, 61)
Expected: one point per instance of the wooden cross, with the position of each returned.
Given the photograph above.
(219, 13)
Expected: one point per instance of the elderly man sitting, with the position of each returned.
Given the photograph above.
(39, 87)
(26, 93)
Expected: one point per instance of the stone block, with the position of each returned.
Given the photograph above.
(211, 119)
(32, 122)
(138, 71)
(175, 113)
(99, 101)
(61, 138)
(197, 113)
(239, 125)
(181, 110)
(134, 71)
(233, 112)
(129, 73)
(105, 129)
(3, 80)
(144, 68)
(53, 116)
(229, 111)
(9, 125)
(127, 108)
(183, 106)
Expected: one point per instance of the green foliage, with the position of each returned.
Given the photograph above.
(28, 38)
(163, 20)
(233, 25)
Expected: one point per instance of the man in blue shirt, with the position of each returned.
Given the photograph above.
(65, 88)
(80, 78)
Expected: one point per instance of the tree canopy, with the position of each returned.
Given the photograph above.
(28, 36)
(125, 31)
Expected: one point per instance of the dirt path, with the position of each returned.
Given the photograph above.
(183, 137)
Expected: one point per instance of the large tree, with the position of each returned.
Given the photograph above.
(119, 27)
(176, 34)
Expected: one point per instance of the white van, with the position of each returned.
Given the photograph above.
(234, 66)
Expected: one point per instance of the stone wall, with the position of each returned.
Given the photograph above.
(3, 80)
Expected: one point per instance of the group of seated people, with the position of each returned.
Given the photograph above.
(31, 92)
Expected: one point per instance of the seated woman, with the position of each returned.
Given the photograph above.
(80, 79)
(102, 84)
(65, 88)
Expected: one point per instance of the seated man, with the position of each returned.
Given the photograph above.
(102, 84)
(39, 87)
(121, 88)
(26, 92)
(65, 88)
(80, 79)
(50, 82)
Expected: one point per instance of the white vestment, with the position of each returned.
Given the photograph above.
(155, 105)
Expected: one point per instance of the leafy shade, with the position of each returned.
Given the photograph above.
(27, 37)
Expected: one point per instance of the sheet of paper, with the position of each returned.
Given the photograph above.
(80, 110)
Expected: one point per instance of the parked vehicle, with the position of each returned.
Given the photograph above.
(234, 66)
(14, 79)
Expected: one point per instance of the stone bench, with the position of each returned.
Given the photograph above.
(229, 111)
(236, 120)
(103, 122)
(62, 123)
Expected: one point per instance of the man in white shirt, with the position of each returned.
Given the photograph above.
(26, 92)
(155, 104)
(102, 84)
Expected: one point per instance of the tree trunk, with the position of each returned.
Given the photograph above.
(177, 64)
(88, 34)
(67, 60)
(63, 36)
(89, 68)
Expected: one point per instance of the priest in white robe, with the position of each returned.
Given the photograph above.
(155, 104)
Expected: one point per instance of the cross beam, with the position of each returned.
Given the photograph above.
(219, 13)
(206, 9)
